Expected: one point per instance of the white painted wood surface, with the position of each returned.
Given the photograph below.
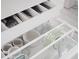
(13, 7)
(10, 7)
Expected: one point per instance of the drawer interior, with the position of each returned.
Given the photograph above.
(57, 50)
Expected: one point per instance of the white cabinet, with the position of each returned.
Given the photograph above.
(40, 30)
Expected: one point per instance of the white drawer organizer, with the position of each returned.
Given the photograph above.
(56, 39)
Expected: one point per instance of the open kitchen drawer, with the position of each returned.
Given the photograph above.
(48, 34)
(11, 7)
(28, 19)
(35, 32)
